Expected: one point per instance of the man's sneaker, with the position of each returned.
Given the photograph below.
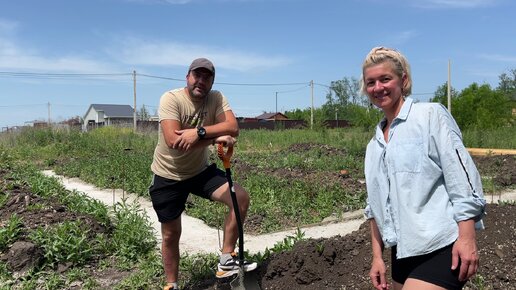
(170, 287)
(223, 273)
(232, 266)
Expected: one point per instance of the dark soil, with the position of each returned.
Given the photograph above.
(341, 262)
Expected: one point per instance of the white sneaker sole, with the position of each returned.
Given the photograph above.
(222, 273)
(247, 267)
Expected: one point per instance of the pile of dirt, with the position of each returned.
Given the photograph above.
(343, 262)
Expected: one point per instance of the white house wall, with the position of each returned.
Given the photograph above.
(90, 115)
(100, 117)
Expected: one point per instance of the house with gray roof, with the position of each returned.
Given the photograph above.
(99, 115)
(271, 116)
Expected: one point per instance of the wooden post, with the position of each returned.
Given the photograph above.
(449, 86)
(134, 95)
(312, 110)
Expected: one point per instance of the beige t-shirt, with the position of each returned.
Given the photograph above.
(177, 105)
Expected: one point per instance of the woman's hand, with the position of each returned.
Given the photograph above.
(377, 274)
(465, 251)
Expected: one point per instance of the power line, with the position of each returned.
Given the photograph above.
(24, 105)
(265, 84)
(294, 90)
(322, 85)
(59, 75)
(102, 75)
(158, 77)
(413, 94)
(228, 84)
(105, 75)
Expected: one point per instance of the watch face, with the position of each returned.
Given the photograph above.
(201, 132)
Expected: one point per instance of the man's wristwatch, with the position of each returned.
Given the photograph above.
(201, 132)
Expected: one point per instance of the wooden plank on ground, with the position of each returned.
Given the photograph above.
(490, 151)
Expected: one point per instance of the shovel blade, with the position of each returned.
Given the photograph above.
(245, 281)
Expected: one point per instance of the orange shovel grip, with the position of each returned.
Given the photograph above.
(225, 156)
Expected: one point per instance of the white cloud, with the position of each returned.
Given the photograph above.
(16, 59)
(161, 1)
(161, 53)
(7, 26)
(484, 74)
(132, 51)
(498, 57)
(181, 2)
(177, 1)
(452, 3)
(404, 37)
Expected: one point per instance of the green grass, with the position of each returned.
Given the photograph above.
(119, 158)
(501, 138)
(66, 242)
(129, 241)
(10, 231)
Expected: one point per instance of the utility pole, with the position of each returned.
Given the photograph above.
(449, 86)
(48, 105)
(134, 93)
(336, 117)
(312, 110)
(275, 113)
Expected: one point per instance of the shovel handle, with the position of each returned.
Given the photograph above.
(225, 156)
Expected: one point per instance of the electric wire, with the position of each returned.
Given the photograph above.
(100, 76)
(228, 84)
(293, 90)
(59, 75)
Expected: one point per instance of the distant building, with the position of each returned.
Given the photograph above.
(271, 117)
(99, 115)
(246, 119)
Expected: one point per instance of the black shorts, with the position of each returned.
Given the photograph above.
(433, 268)
(169, 196)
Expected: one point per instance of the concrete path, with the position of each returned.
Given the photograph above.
(197, 237)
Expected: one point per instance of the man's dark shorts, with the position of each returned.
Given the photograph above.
(169, 196)
(433, 268)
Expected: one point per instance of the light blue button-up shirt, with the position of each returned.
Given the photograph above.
(422, 182)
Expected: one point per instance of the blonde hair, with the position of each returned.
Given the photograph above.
(401, 66)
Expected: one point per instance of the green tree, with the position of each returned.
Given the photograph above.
(345, 91)
(441, 95)
(507, 84)
(363, 116)
(298, 114)
(143, 114)
(481, 107)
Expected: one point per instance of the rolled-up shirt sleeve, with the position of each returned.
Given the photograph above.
(461, 176)
(368, 213)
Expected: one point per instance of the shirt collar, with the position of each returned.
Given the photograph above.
(405, 109)
(402, 116)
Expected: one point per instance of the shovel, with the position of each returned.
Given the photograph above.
(239, 282)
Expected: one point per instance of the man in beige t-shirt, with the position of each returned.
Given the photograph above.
(191, 119)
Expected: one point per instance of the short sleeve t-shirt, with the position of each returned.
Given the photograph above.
(177, 105)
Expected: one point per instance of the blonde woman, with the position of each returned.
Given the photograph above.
(425, 196)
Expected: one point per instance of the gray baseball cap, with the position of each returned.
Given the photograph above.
(202, 63)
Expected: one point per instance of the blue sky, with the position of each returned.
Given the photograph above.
(70, 54)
